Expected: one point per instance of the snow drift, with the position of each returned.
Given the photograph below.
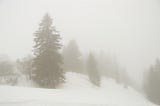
(77, 91)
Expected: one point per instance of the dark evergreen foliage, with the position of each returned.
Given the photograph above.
(47, 71)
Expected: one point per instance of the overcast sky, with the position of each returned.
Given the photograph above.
(129, 29)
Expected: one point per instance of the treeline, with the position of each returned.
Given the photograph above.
(152, 83)
(51, 60)
(95, 65)
(8, 74)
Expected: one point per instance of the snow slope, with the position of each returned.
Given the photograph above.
(78, 91)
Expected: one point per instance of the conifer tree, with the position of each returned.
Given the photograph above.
(71, 55)
(47, 71)
(152, 85)
(92, 70)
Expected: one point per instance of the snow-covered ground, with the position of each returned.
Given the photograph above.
(78, 91)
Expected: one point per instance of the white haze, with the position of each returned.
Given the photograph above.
(129, 29)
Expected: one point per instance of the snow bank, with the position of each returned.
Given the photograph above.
(77, 91)
(76, 81)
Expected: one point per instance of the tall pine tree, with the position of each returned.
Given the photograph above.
(47, 71)
(93, 73)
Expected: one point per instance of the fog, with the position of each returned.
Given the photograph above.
(128, 29)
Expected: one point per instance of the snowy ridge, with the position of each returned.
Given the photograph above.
(78, 91)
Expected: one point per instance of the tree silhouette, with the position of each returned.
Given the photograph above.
(152, 85)
(47, 71)
(92, 70)
(71, 55)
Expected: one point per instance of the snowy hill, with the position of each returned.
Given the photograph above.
(78, 91)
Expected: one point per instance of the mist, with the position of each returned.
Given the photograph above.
(126, 28)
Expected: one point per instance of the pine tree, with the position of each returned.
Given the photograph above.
(92, 70)
(71, 55)
(152, 85)
(47, 71)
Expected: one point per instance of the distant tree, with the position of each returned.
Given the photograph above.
(6, 68)
(24, 66)
(71, 55)
(7, 74)
(47, 63)
(152, 83)
(93, 73)
(124, 78)
(109, 66)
